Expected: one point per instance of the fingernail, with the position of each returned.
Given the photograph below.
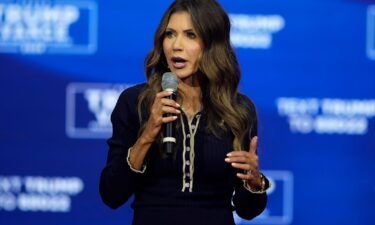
(174, 117)
(178, 111)
(229, 154)
(178, 105)
(227, 159)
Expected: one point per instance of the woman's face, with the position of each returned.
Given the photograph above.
(182, 46)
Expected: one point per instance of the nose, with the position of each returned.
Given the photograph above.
(177, 43)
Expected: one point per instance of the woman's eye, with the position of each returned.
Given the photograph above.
(191, 35)
(168, 34)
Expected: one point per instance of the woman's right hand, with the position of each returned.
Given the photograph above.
(161, 105)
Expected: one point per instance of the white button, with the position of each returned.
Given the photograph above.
(187, 185)
(188, 162)
(188, 148)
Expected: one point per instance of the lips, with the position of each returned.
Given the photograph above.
(178, 62)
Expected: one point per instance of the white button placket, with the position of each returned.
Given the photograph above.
(188, 152)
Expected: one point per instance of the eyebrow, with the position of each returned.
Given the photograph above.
(187, 30)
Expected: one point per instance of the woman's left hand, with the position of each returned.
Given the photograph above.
(247, 161)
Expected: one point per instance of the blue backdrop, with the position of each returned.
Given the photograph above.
(308, 65)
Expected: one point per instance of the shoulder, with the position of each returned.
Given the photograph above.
(128, 99)
(130, 95)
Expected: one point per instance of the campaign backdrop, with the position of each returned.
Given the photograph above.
(309, 67)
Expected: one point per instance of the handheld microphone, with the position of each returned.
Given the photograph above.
(169, 83)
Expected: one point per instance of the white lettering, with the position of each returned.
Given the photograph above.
(295, 106)
(300, 124)
(8, 202)
(44, 194)
(254, 31)
(101, 102)
(44, 203)
(38, 22)
(327, 116)
(12, 14)
(10, 184)
(254, 40)
(349, 108)
(330, 125)
(34, 25)
(70, 186)
(269, 23)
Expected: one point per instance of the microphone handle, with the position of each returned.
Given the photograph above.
(168, 148)
(169, 139)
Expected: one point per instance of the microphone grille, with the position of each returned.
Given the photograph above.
(169, 82)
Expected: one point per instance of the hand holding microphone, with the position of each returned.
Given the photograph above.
(169, 83)
(163, 113)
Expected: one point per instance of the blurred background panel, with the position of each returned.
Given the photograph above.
(309, 67)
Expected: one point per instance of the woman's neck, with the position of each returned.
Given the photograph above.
(190, 97)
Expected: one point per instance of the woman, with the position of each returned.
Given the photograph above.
(214, 169)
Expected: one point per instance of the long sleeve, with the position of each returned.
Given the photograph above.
(118, 181)
(248, 205)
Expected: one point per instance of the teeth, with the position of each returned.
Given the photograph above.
(179, 64)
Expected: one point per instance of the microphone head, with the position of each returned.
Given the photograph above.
(169, 82)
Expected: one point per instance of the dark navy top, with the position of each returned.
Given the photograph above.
(194, 186)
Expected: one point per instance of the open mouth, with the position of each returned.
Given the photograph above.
(179, 62)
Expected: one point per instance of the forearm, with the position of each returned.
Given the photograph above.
(139, 151)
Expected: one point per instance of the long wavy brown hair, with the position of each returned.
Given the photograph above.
(219, 66)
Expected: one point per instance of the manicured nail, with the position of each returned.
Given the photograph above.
(227, 159)
(178, 111)
(229, 154)
(178, 105)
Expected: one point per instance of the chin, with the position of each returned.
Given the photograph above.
(182, 75)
